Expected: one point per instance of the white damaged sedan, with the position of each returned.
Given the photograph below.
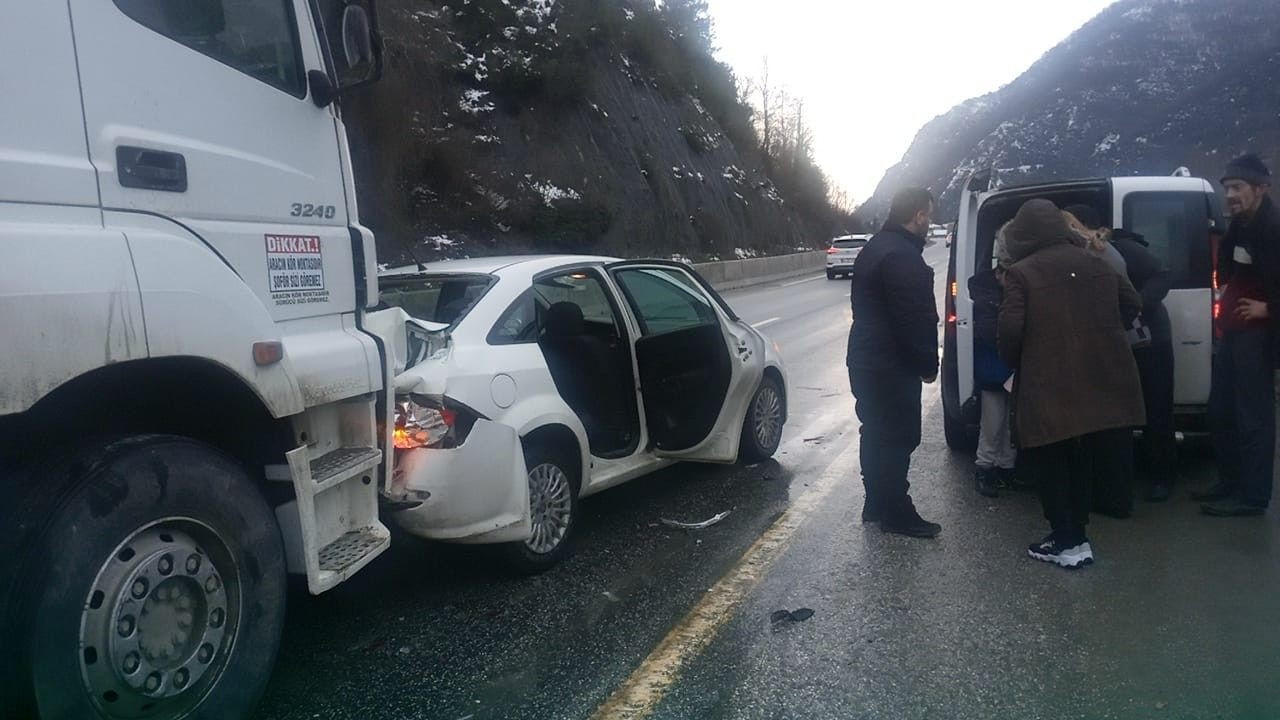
(526, 383)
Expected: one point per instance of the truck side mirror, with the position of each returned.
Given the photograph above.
(350, 29)
(359, 52)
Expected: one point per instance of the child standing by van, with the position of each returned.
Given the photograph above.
(996, 454)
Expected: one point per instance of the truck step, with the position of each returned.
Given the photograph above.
(338, 465)
(331, 528)
(350, 552)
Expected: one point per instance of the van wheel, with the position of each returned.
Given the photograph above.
(960, 437)
(553, 510)
(762, 426)
(156, 586)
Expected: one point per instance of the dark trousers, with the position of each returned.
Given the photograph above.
(1243, 413)
(1064, 473)
(888, 406)
(1109, 455)
(1159, 444)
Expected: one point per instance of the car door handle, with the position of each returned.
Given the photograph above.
(147, 169)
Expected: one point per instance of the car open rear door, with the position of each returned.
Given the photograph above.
(698, 366)
(1175, 223)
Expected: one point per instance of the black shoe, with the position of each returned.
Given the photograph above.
(871, 513)
(987, 482)
(1220, 490)
(910, 523)
(1159, 492)
(1232, 507)
(1063, 553)
(1008, 478)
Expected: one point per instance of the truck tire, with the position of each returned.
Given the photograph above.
(762, 426)
(156, 587)
(553, 505)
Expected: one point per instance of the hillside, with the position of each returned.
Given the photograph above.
(1145, 87)
(568, 126)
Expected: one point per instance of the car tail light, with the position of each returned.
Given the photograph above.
(832, 250)
(424, 421)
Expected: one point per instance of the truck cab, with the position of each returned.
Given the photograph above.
(192, 405)
(1176, 216)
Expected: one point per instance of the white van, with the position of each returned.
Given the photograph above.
(1174, 214)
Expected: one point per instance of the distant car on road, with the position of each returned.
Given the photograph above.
(937, 231)
(1174, 214)
(841, 254)
(526, 383)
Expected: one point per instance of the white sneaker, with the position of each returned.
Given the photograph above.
(1051, 551)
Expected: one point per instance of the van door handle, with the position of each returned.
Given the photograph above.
(147, 169)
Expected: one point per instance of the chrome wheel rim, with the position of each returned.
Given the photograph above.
(159, 622)
(551, 507)
(767, 415)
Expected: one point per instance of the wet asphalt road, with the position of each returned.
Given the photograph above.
(1178, 618)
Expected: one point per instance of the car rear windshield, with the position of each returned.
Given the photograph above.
(435, 298)
(847, 243)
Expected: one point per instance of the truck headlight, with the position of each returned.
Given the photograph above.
(428, 421)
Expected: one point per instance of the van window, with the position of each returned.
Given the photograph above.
(1176, 228)
(257, 37)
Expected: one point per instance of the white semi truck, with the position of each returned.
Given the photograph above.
(190, 406)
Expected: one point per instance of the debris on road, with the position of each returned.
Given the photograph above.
(798, 615)
(695, 525)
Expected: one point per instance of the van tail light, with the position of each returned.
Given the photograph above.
(425, 421)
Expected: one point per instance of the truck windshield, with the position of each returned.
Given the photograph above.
(435, 298)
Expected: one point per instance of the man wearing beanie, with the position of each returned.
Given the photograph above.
(1242, 399)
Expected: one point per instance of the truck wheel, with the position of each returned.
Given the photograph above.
(762, 426)
(553, 505)
(157, 587)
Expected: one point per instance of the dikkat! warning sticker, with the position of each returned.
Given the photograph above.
(295, 263)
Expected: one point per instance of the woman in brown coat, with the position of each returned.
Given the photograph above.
(1062, 326)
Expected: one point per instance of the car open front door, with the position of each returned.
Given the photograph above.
(698, 368)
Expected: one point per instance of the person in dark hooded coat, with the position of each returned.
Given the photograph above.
(1062, 327)
(1152, 279)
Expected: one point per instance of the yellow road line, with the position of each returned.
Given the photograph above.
(640, 694)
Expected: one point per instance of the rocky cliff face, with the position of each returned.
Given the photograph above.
(1145, 87)
(560, 125)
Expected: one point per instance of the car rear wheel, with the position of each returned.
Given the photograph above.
(762, 426)
(156, 587)
(553, 509)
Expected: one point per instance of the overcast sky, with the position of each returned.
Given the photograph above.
(872, 72)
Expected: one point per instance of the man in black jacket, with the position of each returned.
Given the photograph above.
(1242, 399)
(893, 346)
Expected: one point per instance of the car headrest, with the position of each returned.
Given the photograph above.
(564, 319)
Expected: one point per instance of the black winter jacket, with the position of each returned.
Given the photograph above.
(895, 318)
(1260, 235)
(1151, 278)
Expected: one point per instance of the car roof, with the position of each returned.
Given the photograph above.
(495, 265)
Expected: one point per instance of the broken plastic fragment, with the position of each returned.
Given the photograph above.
(695, 525)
